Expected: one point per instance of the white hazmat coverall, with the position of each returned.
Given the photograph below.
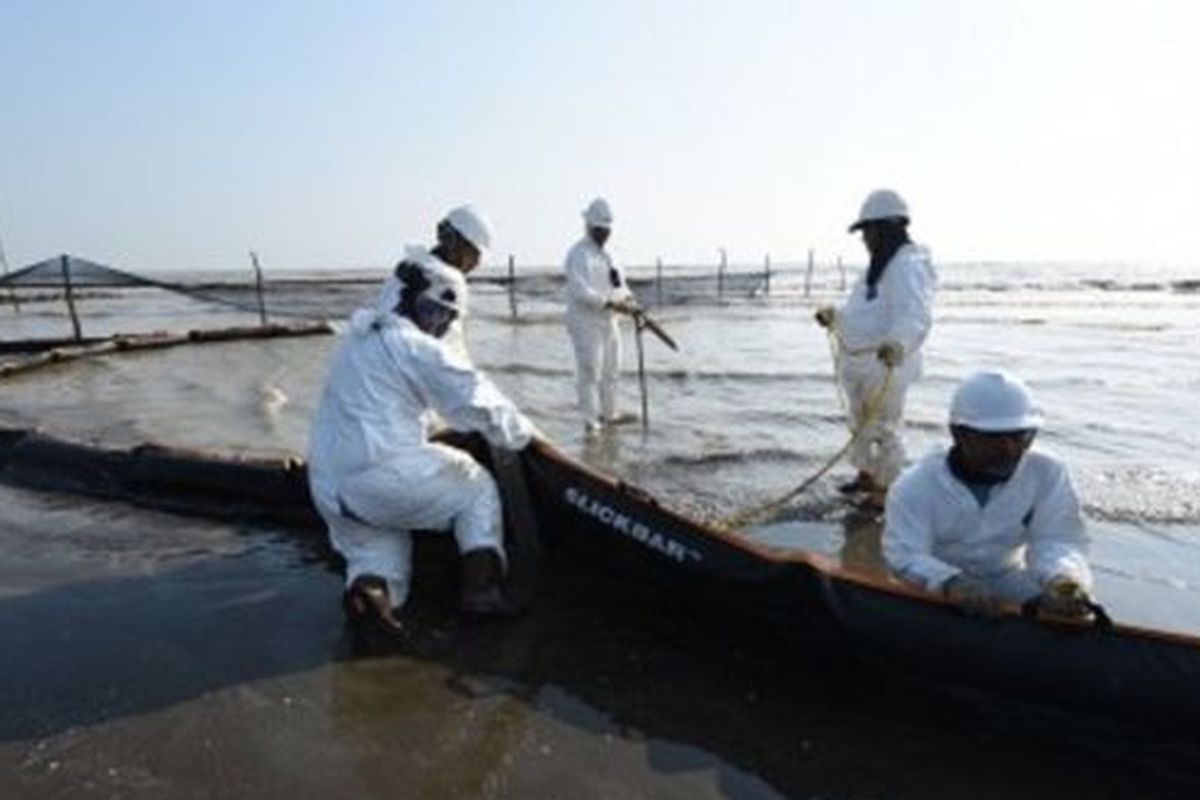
(373, 474)
(593, 328)
(389, 294)
(901, 311)
(1029, 531)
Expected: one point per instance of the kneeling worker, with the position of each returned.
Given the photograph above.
(991, 521)
(375, 476)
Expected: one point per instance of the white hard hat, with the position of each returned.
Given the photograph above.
(994, 401)
(473, 225)
(598, 214)
(881, 204)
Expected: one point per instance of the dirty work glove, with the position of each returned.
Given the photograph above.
(891, 353)
(1064, 597)
(623, 306)
(971, 595)
(825, 316)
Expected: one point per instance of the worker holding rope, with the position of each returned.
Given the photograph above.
(877, 336)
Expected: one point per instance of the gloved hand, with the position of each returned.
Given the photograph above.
(971, 595)
(891, 353)
(623, 306)
(1064, 597)
(825, 316)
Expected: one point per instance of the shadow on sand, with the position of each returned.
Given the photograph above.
(610, 659)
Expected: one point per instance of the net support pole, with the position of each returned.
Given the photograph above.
(808, 274)
(69, 296)
(641, 353)
(658, 282)
(512, 285)
(12, 292)
(767, 275)
(842, 271)
(258, 289)
(721, 275)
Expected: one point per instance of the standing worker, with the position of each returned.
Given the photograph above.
(881, 327)
(374, 474)
(464, 235)
(596, 295)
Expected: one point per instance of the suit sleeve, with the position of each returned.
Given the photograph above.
(466, 399)
(908, 538)
(1058, 540)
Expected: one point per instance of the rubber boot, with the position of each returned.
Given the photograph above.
(368, 610)
(482, 586)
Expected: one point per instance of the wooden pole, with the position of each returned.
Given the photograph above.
(12, 292)
(258, 288)
(721, 275)
(658, 282)
(637, 328)
(512, 285)
(808, 274)
(842, 271)
(767, 274)
(68, 293)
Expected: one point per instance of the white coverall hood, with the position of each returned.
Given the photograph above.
(389, 296)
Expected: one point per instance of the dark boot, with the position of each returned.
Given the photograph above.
(482, 586)
(368, 609)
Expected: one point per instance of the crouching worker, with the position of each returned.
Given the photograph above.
(374, 475)
(990, 521)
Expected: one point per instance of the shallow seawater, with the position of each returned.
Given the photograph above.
(596, 695)
(746, 410)
(152, 657)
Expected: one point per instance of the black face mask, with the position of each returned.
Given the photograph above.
(432, 317)
(893, 236)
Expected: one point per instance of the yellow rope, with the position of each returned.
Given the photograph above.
(766, 511)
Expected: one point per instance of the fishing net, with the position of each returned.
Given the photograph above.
(102, 300)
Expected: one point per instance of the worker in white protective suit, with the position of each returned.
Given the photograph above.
(991, 521)
(597, 295)
(375, 476)
(464, 236)
(880, 329)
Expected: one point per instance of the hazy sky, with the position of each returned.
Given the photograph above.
(155, 135)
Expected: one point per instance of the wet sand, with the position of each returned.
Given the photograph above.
(147, 656)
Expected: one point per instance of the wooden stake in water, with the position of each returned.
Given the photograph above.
(721, 275)
(258, 288)
(69, 294)
(638, 325)
(12, 292)
(767, 275)
(808, 274)
(842, 271)
(512, 286)
(658, 282)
